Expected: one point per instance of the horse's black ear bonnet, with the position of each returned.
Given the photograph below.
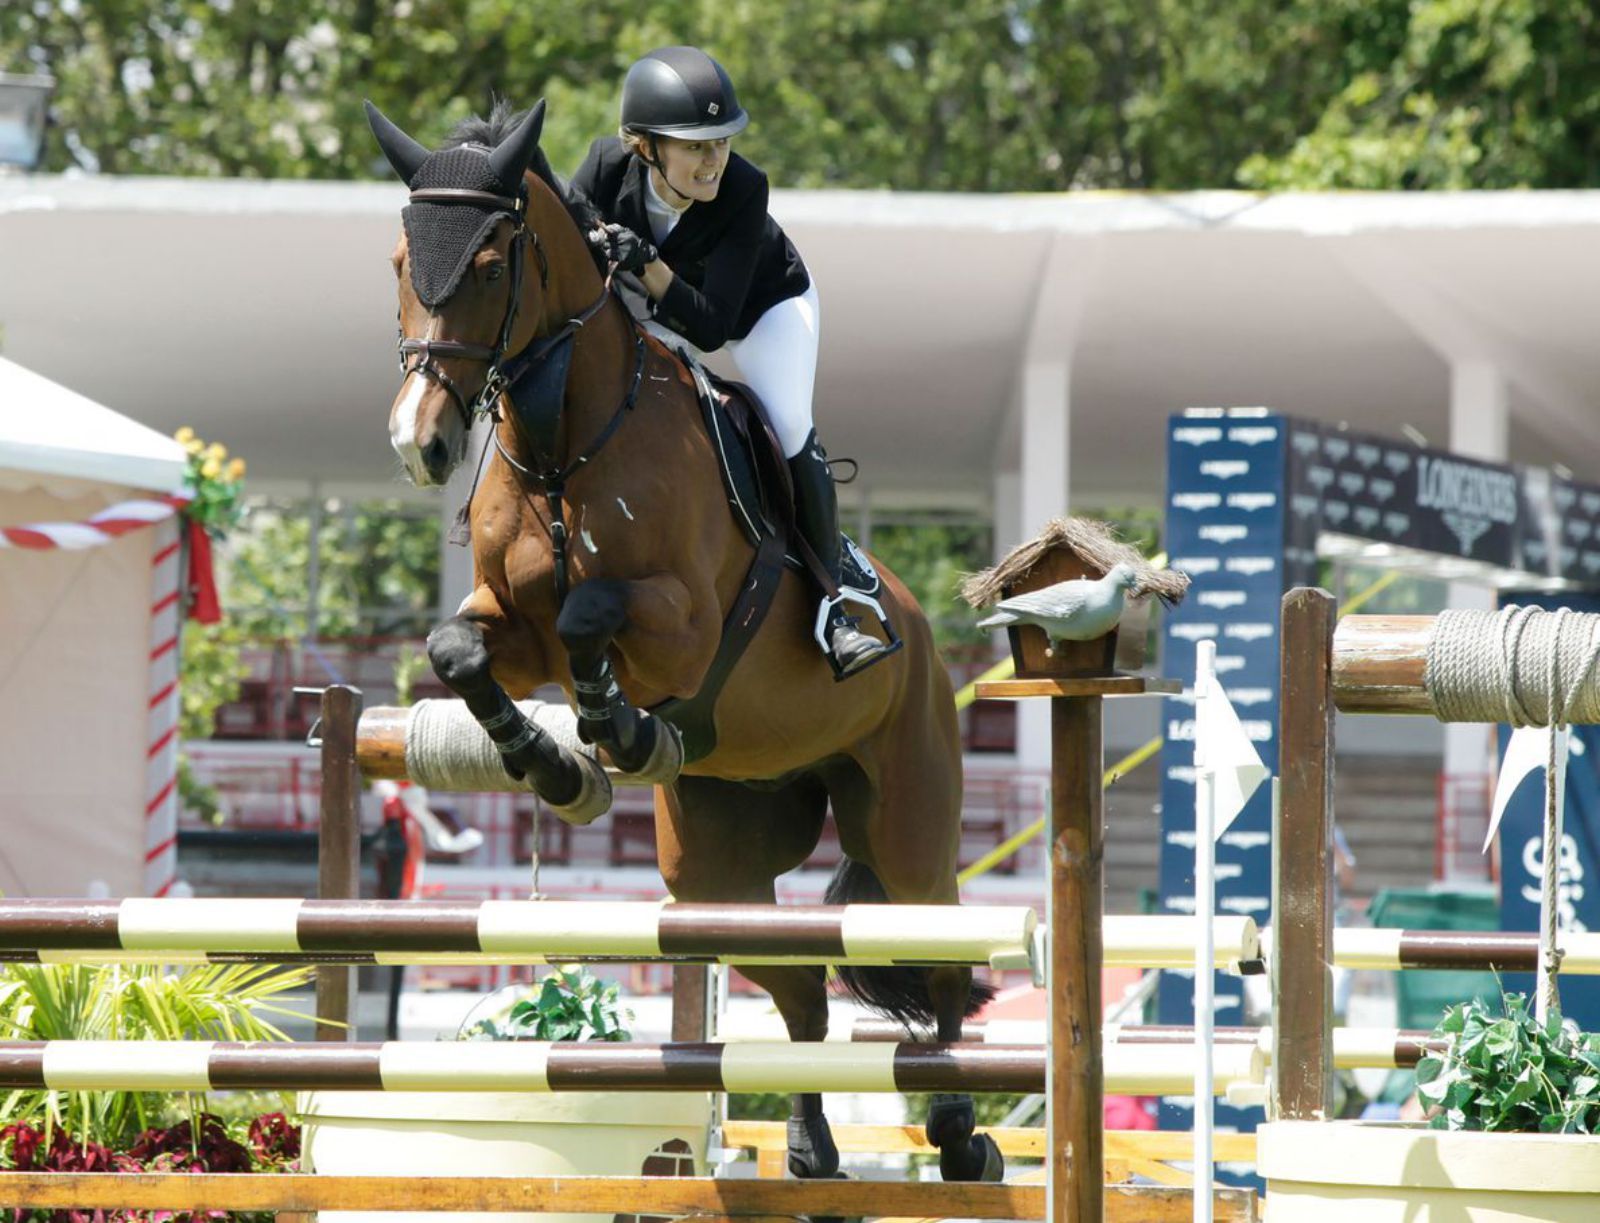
(442, 238)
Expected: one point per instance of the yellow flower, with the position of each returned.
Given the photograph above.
(216, 451)
(184, 436)
(194, 445)
(236, 469)
(211, 469)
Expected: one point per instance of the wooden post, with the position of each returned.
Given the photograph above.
(1302, 903)
(339, 849)
(1076, 1090)
(1077, 892)
(691, 1019)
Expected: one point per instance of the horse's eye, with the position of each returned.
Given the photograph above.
(496, 270)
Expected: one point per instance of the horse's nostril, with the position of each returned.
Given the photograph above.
(435, 455)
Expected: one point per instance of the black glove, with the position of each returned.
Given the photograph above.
(623, 247)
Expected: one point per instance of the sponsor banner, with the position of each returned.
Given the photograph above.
(1225, 529)
(1429, 500)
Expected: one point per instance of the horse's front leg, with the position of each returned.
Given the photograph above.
(591, 619)
(459, 652)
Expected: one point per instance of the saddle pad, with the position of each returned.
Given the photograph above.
(749, 496)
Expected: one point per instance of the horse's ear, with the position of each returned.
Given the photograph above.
(404, 153)
(514, 153)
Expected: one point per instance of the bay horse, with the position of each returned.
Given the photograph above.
(606, 559)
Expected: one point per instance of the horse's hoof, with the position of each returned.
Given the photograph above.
(951, 1120)
(977, 1159)
(812, 1153)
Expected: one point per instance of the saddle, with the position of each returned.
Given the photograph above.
(755, 478)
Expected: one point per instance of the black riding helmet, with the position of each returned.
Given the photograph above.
(681, 92)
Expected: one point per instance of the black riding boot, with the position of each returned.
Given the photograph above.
(817, 517)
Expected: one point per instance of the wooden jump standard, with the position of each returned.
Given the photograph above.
(1368, 664)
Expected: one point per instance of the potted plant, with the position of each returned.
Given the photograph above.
(132, 1131)
(1515, 1106)
(512, 1133)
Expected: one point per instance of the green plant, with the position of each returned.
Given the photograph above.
(1511, 1073)
(409, 663)
(567, 1004)
(132, 1002)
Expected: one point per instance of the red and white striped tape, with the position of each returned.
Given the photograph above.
(110, 523)
(161, 755)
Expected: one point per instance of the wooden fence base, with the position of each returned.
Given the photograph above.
(601, 1195)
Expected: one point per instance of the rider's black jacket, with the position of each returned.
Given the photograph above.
(730, 260)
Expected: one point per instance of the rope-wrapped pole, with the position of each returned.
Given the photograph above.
(1428, 664)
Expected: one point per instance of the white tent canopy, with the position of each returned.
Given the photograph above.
(88, 668)
(48, 430)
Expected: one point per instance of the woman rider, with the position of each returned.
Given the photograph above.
(688, 218)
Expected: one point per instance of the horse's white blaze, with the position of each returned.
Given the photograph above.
(403, 423)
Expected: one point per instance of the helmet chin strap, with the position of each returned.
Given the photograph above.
(654, 162)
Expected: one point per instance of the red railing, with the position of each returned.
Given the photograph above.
(1464, 803)
(268, 708)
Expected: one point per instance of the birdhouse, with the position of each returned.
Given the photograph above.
(1068, 550)
(1122, 649)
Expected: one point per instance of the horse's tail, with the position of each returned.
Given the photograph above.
(900, 994)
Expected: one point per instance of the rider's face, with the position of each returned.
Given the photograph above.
(693, 167)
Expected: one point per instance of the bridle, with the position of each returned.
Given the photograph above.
(417, 353)
(541, 415)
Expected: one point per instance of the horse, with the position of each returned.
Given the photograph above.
(606, 559)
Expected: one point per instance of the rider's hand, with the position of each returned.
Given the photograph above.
(623, 247)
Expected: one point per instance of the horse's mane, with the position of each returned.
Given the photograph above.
(489, 132)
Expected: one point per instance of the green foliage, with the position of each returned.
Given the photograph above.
(213, 671)
(1510, 1073)
(760, 1106)
(931, 557)
(409, 663)
(568, 1004)
(1456, 94)
(132, 1002)
(990, 95)
(378, 569)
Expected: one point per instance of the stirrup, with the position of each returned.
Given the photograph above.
(825, 615)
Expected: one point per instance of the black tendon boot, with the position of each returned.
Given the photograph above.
(817, 517)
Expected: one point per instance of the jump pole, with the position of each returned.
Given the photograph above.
(1076, 1088)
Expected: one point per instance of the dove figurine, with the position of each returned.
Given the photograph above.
(1079, 610)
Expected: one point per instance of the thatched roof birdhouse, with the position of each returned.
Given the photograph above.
(1075, 600)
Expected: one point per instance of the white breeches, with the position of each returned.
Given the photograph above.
(778, 359)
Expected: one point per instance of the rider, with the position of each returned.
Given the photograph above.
(688, 218)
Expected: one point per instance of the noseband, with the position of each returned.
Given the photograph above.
(417, 355)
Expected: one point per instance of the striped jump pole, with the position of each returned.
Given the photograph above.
(509, 931)
(531, 1066)
(1481, 950)
(1353, 1048)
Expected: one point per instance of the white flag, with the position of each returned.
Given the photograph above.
(1528, 750)
(1221, 745)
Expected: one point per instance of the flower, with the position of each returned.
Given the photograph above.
(194, 445)
(235, 469)
(216, 451)
(184, 436)
(211, 469)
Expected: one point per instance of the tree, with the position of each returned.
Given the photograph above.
(1472, 94)
(1021, 95)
